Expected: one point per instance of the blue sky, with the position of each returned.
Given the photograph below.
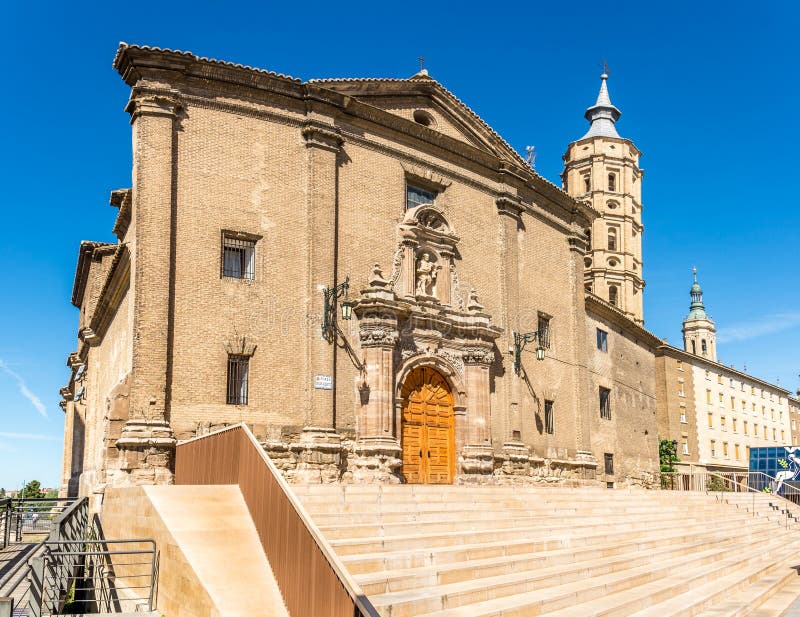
(709, 92)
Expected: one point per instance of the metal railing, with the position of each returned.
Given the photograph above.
(91, 577)
(5, 522)
(75, 570)
(34, 516)
(766, 493)
(311, 577)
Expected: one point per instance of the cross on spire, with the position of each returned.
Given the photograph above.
(605, 68)
(421, 62)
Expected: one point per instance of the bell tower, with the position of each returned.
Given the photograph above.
(699, 332)
(602, 168)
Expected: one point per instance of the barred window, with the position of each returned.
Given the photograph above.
(544, 331)
(238, 257)
(549, 424)
(416, 196)
(608, 460)
(605, 403)
(238, 374)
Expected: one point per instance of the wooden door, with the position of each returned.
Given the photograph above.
(428, 433)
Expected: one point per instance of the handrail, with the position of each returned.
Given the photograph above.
(227, 466)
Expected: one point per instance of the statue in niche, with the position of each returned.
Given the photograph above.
(426, 275)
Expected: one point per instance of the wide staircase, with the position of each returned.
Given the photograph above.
(452, 551)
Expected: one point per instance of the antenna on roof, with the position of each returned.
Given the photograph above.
(531, 156)
(421, 62)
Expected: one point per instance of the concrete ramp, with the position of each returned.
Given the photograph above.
(211, 559)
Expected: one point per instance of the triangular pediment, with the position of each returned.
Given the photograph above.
(425, 101)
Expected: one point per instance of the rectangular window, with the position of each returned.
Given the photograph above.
(719, 379)
(783, 435)
(724, 448)
(708, 396)
(681, 391)
(765, 431)
(686, 448)
(608, 460)
(722, 423)
(238, 257)
(416, 196)
(733, 403)
(736, 451)
(745, 427)
(605, 403)
(734, 425)
(549, 424)
(710, 420)
(238, 369)
(713, 448)
(683, 415)
(544, 330)
(774, 435)
(602, 340)
(747, 452)
(680, 365)
(755, 430)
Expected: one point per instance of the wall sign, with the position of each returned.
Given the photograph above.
(323, 382)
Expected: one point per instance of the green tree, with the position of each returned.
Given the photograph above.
(667, 455)
(2, 493)
(32, 490)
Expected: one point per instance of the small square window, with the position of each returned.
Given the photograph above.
(238, 377)
(238, 257)
(605, 403)
(602, 340)
(416, 196)
(549, 423)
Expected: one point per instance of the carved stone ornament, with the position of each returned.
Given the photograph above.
(478, 355)
(473, 306)
(377, 337)
(377, 279)
(240, 346)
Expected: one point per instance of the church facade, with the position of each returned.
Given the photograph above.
(366, 274)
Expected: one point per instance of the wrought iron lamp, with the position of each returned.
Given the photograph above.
(332, 294)
(520, 340)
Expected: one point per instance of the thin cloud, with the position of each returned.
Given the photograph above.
(768, 324)
(24, 390)
(36, 436)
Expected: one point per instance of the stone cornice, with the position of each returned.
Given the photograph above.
(138, 64)
(114, 288)
(601, 308)
(85, 254)
(121, 198)
(323, 136)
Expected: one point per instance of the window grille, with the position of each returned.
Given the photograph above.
(238, 377)
(544, 331)
(417, 197)
(608, 460)
(605, 403)
(549, 424)
(238, 258)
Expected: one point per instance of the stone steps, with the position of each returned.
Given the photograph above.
(508, 551)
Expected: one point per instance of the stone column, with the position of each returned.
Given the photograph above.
(319, 446)
(378, 457)
(510, 211)
(477, 455)
(583, 400)
(146, 445)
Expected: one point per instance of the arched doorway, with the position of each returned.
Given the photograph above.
(428, 438)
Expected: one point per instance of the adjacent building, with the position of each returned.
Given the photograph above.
(714, 412)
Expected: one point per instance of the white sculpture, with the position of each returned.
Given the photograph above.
(426, 275)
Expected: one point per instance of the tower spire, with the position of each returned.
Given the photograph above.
(602, 114)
